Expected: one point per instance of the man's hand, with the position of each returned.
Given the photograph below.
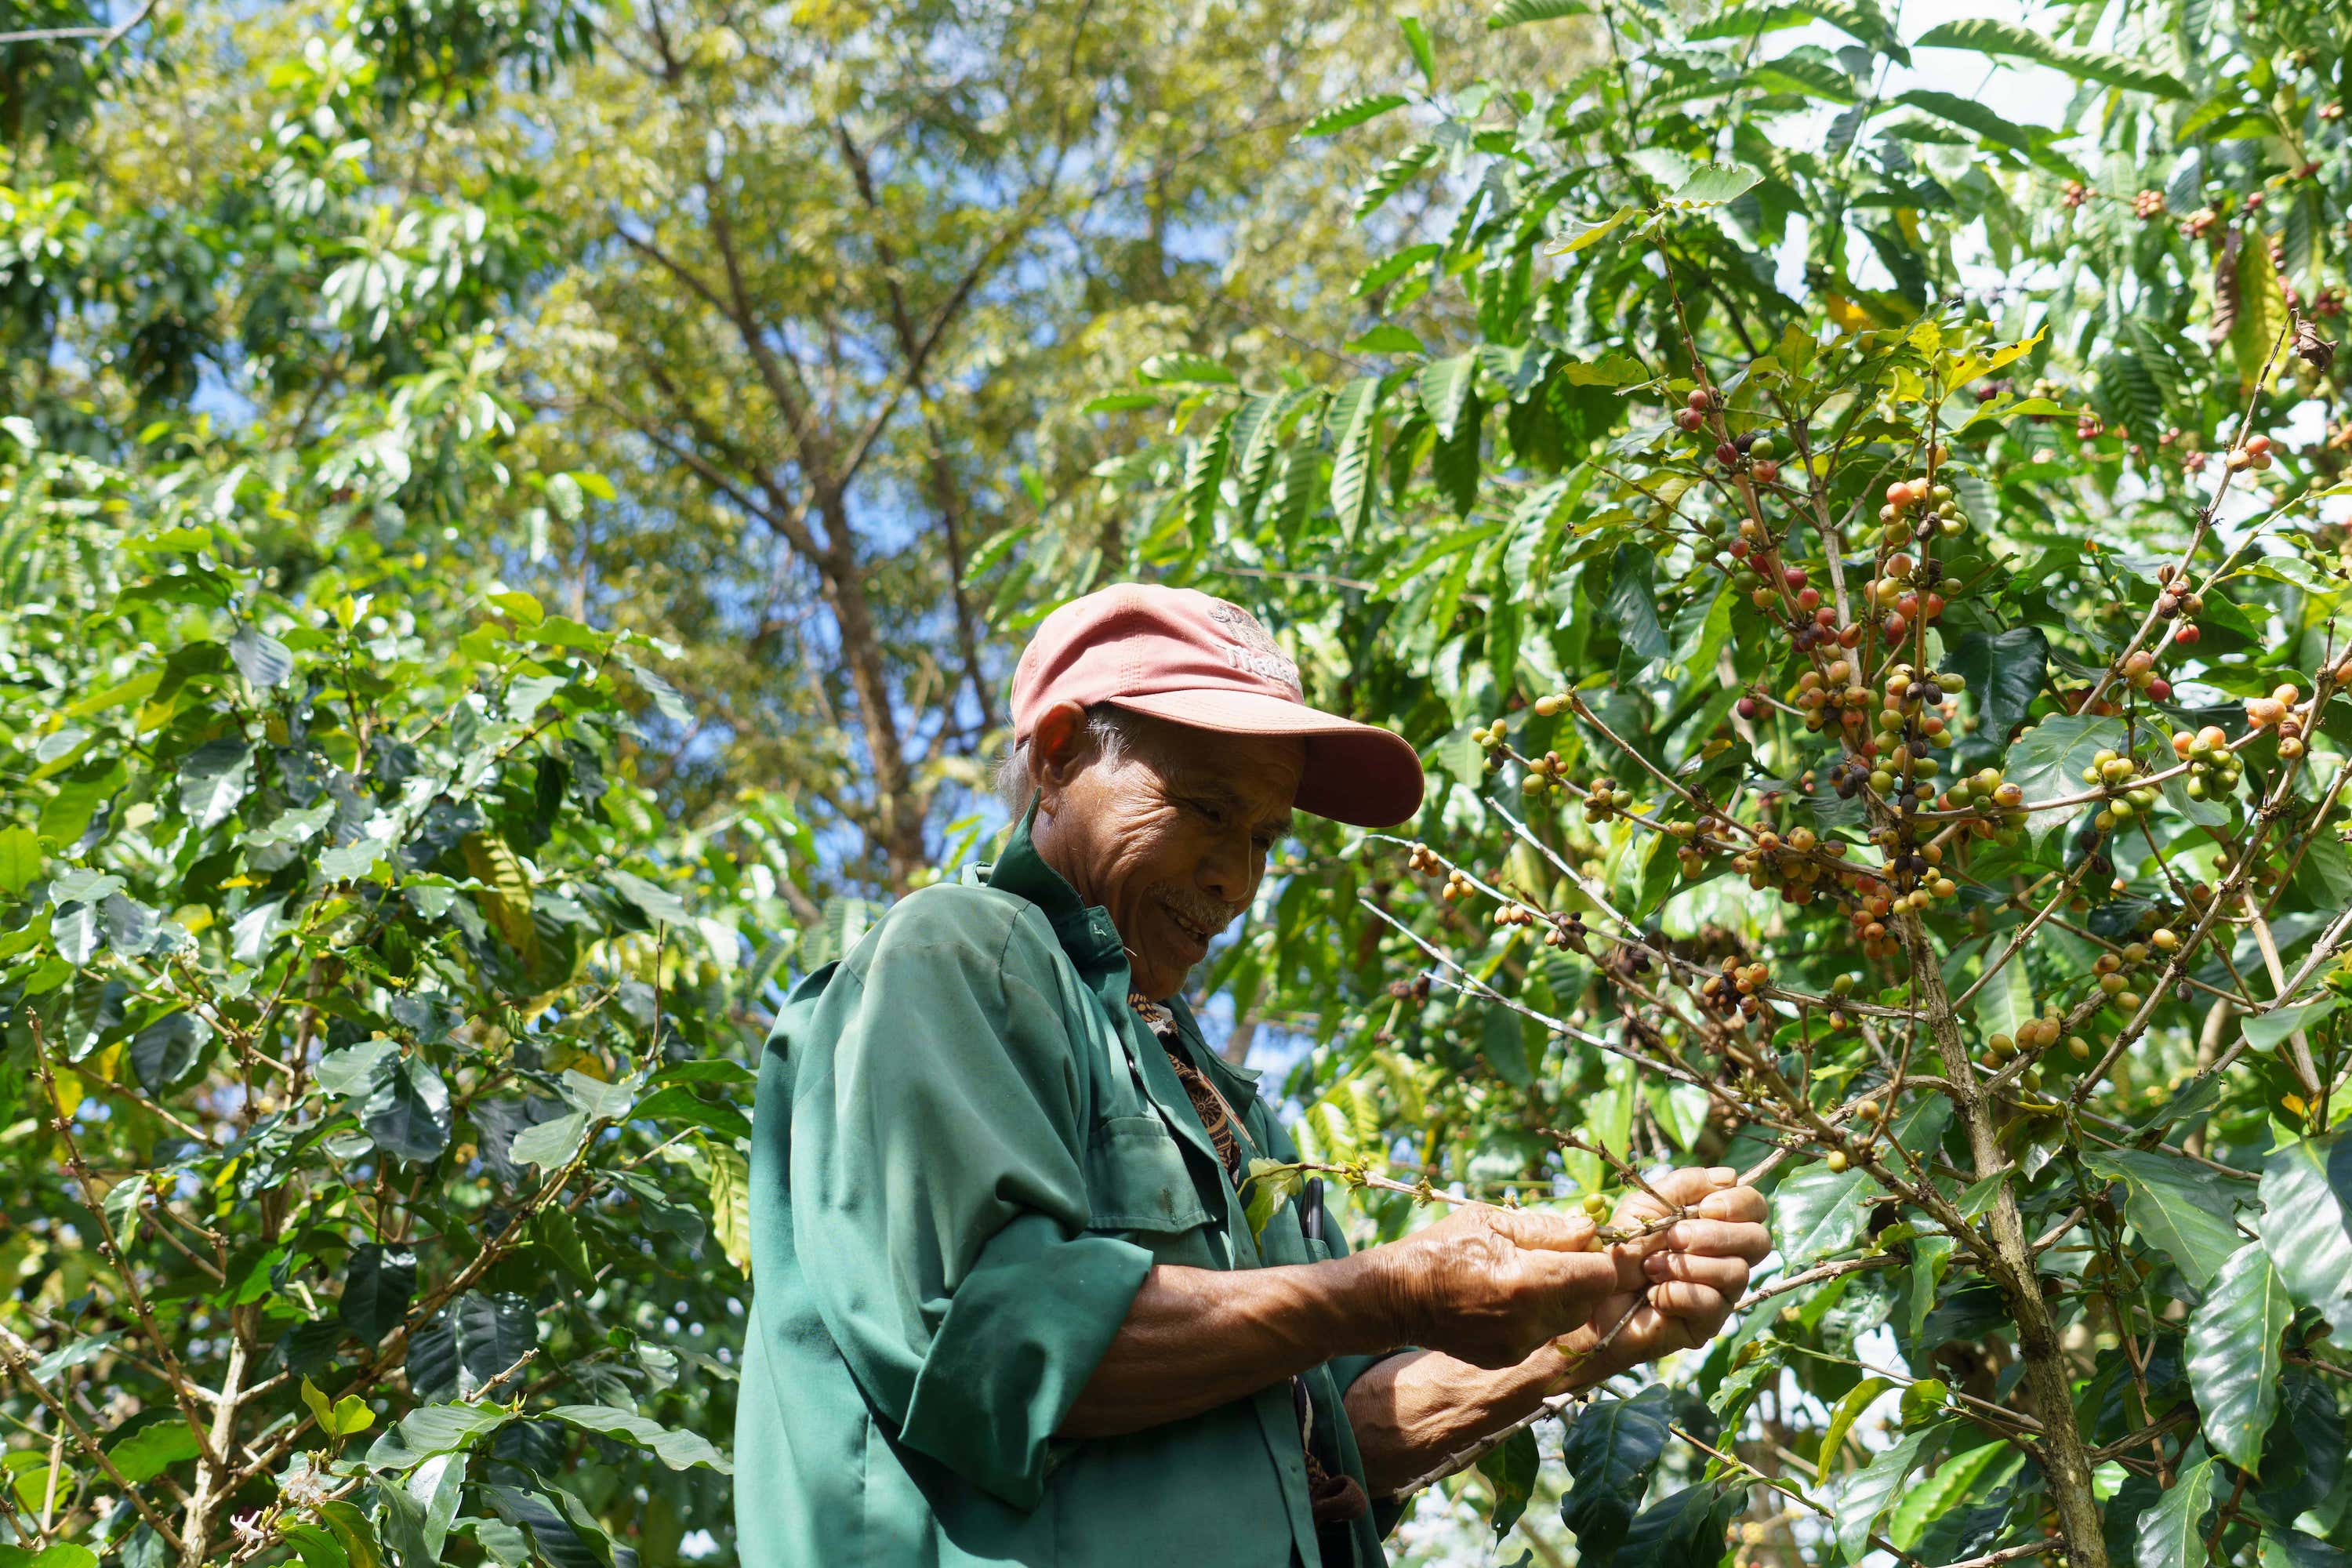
(1696, 1271)
(1488, 1286)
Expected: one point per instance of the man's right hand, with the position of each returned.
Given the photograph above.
(1488, 1285)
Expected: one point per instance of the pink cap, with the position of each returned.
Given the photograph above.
(1179, 655)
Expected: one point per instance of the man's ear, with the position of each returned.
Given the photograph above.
(1057, 746)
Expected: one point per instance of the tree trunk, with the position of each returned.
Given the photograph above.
(898, 810)
(2064, 1461)
(211, 1490)
(949, 500)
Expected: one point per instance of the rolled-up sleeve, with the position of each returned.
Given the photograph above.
(939, 1200)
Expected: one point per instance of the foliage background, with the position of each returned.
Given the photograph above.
(517, 519)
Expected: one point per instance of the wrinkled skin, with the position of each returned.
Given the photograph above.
(1172, 839)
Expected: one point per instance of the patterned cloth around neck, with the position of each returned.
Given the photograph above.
(1207, 1103)
(1336, 1498)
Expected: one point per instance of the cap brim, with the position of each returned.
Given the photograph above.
(1357, 774)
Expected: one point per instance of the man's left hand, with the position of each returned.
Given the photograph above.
(1698, 1269)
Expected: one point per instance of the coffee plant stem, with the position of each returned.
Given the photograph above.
(15, 1354)
(2240, 872)
(1782, 1486)
(2047, 1383)
(2205, 516)
(109, 1248)
(2303, 844)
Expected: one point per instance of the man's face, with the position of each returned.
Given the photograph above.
(1172, 839)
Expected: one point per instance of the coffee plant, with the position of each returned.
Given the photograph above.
(1869, 577)
(374, 1097)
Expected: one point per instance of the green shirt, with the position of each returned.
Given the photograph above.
(968, 1152)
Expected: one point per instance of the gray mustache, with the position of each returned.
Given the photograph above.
(1209, 914)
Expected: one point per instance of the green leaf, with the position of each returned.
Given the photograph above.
(1517, 12)
(1510, 1472)
(314, 1546)
(551, 1143)
(1991, 36)
(1818, 1213)
(378, 1284)
(166, 1051)
(356, 1072)
(1929, 1256)
(1444, 388)
(1746, 22)
(1204, 472)
(1271, 1186)
(153, 1449)
(1924, 1401)
(2175, 1208)
(656, 903)
(61, 1554)
(2266, 1031)
(1609, 1453)
(353, 1533)
(2288, 1548)
(678, 1450)
(20, 858)
(1108, 403)
(1937, 1495)
(321, 1410)
(1684, 1529)
(435, 1429)
(1353, 112)
(2006, 1003)
(1354, 412)
(730, 1206)
(437, 1486)
(2005, 672)
(1712, 184)
(2172, 1533)
(595, 1098)
(677, 1103)
(1387, 270)
(1844, 1415)
(554, 1229)
(1976, 117)
(495, 1330)
(2047, 763)
(1416, 40)
(2234, 1355)
(1188, 368)
(74, 932)
(215, 779)
(1609, 370)
(1391, 177)
(409, 1113)
(1576, 235)
(1633, 608)
(1871, 1491)
(2307, 1224)
(260, 658)
(1384, 339)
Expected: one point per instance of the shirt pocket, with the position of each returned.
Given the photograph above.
(1137, 1179)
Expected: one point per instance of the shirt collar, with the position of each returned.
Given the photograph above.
(1086, 933)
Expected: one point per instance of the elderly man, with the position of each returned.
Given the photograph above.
(1007, 1307)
